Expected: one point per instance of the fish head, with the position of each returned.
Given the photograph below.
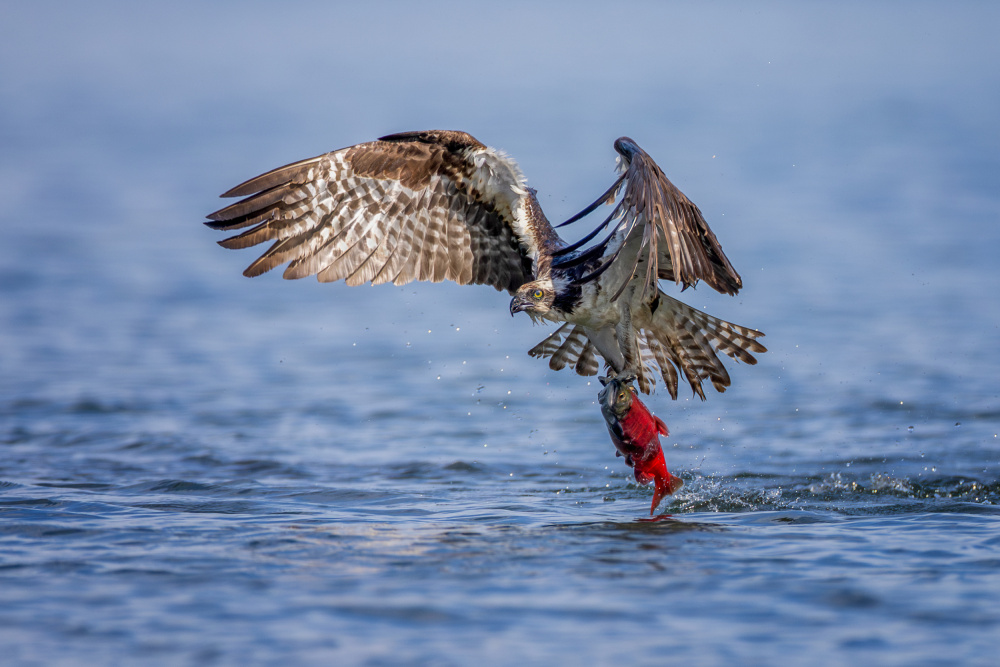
(616, 399)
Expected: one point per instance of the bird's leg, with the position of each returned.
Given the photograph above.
(627, 341)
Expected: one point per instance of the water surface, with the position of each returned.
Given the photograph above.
(203, 469)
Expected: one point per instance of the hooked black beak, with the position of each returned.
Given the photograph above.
(518, 305)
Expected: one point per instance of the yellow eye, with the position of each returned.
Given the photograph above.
(537, 294)
(621, 396)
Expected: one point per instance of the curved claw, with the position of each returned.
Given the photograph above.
(626, 377)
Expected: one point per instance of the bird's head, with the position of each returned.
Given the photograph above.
(535, 298)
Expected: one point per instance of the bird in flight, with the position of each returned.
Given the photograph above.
(439, 205)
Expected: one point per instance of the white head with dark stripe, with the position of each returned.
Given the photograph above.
(535, 298)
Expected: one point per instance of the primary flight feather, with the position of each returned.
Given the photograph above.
(440, 205)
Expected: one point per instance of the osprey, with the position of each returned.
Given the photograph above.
(440, 205)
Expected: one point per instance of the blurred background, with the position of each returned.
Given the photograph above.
(847, 156)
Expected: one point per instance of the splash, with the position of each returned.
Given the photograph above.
(839, 492)
(727, 494)
(884, 484)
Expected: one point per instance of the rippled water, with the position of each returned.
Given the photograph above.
(202, 469)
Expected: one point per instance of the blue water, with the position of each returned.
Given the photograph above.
(198, 468)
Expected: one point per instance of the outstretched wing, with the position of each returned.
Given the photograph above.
(658, 232)
(435, 205)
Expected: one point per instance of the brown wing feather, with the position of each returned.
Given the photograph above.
(661, 212)
(409, 206)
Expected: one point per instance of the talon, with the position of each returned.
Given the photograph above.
(626, 377)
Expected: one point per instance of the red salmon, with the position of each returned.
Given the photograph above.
(635, 431)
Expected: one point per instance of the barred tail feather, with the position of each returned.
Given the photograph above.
(568, 346)
(689, 339)
(678, 340)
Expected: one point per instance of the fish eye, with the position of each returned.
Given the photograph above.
(537, 294)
